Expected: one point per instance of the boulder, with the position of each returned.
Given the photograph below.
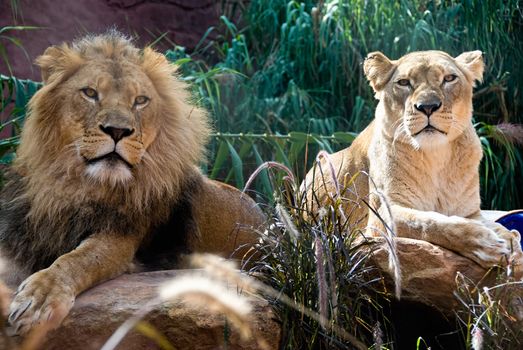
(99, 311)
(428, 273)
(428, 306)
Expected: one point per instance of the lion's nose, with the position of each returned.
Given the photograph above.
(116, 133)
(428, 108)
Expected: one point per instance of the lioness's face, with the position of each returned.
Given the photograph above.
(110, 117)
(427, 95)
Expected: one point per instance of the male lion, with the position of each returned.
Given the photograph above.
(106, 171)
(421, 154)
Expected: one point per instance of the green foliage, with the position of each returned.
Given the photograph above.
(296, 66)
(6, 36)
(300, 61)
(14, 95)
(254, 149)
(502, 162)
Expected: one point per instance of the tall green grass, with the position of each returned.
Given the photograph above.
(299, 61)
(14, 95)
(296, 66)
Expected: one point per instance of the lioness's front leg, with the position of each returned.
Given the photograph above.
(468, 237)
(49, 294)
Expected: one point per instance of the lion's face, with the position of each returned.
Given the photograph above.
(427, 95)
(110, 110)
(111, 115)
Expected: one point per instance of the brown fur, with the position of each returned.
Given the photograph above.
(79, 216)
(423, 182)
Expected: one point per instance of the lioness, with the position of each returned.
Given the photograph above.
(107, 173)
(421, 154)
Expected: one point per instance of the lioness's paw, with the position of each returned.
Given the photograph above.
(41, 298)
(516, 259)
(485, 246)
(511, 236)
(512, 239)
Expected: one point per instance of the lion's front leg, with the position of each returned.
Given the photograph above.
(49, 294)
(468, 237)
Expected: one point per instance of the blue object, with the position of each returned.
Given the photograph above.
(513, 221)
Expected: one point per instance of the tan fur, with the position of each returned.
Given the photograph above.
(59, 165)
(423, 183)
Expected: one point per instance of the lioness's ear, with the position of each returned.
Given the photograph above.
(378, 70)
(472, 61)
(57, 61)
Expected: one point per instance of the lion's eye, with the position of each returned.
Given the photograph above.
(90, 93)
(403, 82)
(141, 100)
(449, 77)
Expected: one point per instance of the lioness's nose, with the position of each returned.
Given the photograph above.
(116, 133)
(428, 107)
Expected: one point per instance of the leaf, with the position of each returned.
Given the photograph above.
(230, 26)
(324, 144)
(20, 99)
(220, 158)
(202, 40)
(264, 175)
(295, 150)
(345, 137)
(7, 28)
(299, 136)
(280, 155)
(237, 165)
(182, 61)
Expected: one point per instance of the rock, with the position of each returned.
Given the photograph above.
(98, 312)
(429, 272)
(428, 307)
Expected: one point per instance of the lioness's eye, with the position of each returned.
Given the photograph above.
(141, 100)
(449, 77)
(403, 82)
(91, 93)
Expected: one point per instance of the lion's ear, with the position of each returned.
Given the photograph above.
(472, 61)
(57, 61)
(48, 62)
(378, 70)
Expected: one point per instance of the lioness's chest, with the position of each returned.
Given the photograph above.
(449, 187)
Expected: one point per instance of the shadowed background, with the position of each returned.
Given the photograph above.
(183, 22)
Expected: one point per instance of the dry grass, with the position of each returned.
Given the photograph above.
(491, 316)
(313, 266)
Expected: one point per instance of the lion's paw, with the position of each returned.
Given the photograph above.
(41, 299)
